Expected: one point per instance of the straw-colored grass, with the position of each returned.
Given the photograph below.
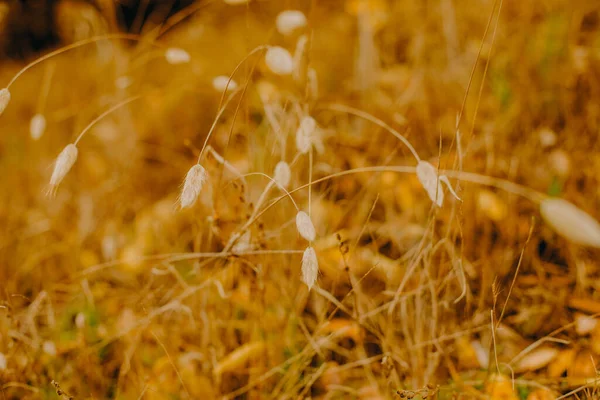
(312, 250)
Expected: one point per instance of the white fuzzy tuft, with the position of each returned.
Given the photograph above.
(4, 99)
(64, 162)
(192, 185)
(571, 222)
(37, 126)
(305, 135)
(306, 229)
(289, 20)
(279, 60)
(220, 83)
(428, 176)
(310, 267)
(175, 55)
(283, 174)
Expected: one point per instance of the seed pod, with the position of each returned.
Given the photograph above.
(4, 99)
(427, 175)
(305, 227)
(37, 126)
(64, 162)
(283, 174)
(310, 267)
(571, 222)
(192, 185)
(289, 20)
(220, 83)
(279, 60)
(305, 134)
(175, 55)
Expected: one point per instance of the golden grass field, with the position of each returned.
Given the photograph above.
(109, 289)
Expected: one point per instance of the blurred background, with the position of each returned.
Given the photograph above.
(108, 290)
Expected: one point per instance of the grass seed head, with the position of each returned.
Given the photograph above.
(571, 222)
(37, 126)
(4, 99)
(175, 55)
(279, 60)
(64, 163)
(305, 226)
(289, 20)
(192, 185)
(428, 176)
(283, 174)
(220, 83)
(310, 267)
(305, 134)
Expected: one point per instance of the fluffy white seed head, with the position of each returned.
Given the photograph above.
(305, 134)
(192, 185)
(220, 83)
(283, 174)
(306, 229)
(37, 126)
(175, 55)
(289, 20)
(571, 222)
(279, 60)
(4, 99)
(428, 176)
(310, 267)
(63, 164)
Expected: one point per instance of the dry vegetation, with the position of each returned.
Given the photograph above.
(110, 289)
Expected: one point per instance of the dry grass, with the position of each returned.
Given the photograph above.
(110, 290)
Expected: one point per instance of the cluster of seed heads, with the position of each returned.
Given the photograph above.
(564, 217)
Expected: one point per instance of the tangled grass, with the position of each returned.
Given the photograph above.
(312, 251)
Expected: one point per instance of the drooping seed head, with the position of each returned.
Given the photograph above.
(289, 20)
(62, 166)
(305, 134)
(4, 99)
(305, 227)
(427, 175)
(283, 174)
(571, 222)
(176, 55)
(279, 60)
(310, 267)
(37, 126)
(192, 185)
(220, 83)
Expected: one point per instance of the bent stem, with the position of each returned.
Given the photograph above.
(498, 183)
(376, 121)
(104, 114)
(261, 199)
(123, 36)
